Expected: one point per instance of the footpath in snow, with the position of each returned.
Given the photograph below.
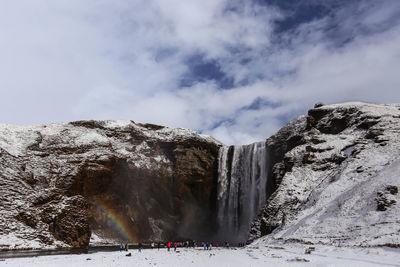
(293, 255)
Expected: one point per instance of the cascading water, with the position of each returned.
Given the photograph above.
(242, 184)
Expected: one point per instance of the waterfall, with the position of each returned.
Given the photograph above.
(241, 192)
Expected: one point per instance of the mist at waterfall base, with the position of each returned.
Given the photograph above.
(242, 189)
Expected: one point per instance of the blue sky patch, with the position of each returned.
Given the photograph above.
(203, 70)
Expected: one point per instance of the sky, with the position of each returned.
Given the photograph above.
(234, 69)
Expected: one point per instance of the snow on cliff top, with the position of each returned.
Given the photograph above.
(331, 193)
(15, 139)
(371, 109)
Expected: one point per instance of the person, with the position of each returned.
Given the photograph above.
(175, 245)
(204, 246)
(140, 247)
(152, 245)
(210, 246)
(158, 245)
(126, 246)
(121, 247)
(169, 245)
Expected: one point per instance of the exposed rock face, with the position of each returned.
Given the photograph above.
(386, 198)
(61, 183)
(71, 224)
(331, 177)
(336, 174)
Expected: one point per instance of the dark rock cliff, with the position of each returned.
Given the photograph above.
(60, 184)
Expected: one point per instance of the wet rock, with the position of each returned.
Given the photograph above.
(327, 121)
(45, 239)
(47, 196)
(374, 133)
(392, 189)
(367, 122)
(385, 199)
(279, 171)
(29, 178)
(318, 149)
(309, 158)
(337, 159)
(316, 140)
(47, 214)
(71, 224)
(360, 169)
(27, 219)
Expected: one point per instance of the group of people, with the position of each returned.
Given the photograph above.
(175, 245)
(125, 247)
(169, 245)
(194, 244)
(207, 246)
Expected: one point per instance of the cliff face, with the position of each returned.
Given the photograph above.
(336, 175)
(61, 184)
(331, 177)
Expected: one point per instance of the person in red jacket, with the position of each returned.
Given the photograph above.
(169, 245)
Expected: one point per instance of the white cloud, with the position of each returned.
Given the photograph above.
(70, 60)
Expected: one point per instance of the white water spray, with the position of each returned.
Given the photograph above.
(242, 184)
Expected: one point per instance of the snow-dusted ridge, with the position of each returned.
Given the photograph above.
(59, 182)
(16, 138)
(343, 164)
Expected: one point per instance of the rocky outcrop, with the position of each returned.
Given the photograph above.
(335, 176)
(386, 198)
(61, 184)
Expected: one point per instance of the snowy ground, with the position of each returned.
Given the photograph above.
(292, 255)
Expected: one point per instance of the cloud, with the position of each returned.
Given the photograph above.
(217, 66)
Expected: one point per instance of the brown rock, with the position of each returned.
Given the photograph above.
(71, 224)
(27, 219)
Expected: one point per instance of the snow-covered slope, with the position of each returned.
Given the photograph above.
(261, 256)
(338, 178)
(118, 179)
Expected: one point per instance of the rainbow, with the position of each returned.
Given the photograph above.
(118, 221)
